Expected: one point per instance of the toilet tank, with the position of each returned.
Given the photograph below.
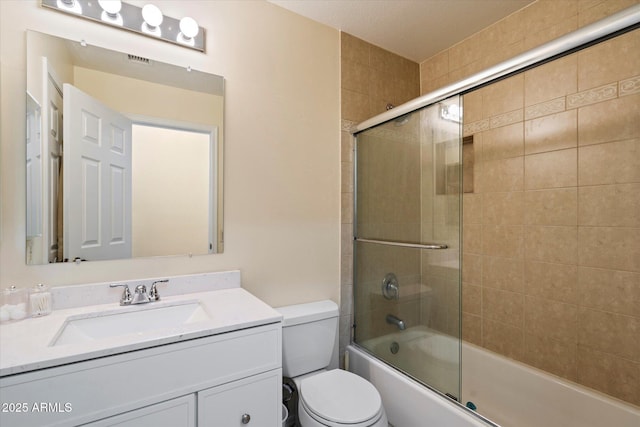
(308, 336)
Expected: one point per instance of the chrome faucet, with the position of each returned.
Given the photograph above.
(393, 320)
(140, 295)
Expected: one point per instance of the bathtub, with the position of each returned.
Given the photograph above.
(508, 393)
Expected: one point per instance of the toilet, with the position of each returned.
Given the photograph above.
(330, 398)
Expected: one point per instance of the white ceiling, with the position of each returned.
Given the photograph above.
(414, 29)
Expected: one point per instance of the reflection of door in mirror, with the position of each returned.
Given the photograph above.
(53, 157)
(97, 173)
(34, 176)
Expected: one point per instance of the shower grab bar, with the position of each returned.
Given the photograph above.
(403, 244)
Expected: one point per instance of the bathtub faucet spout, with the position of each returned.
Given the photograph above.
(393, 320)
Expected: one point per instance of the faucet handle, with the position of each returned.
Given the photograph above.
(153, 292)
(126, 298)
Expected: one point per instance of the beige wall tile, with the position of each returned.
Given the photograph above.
(355, 106)
(609, 374)
(503, 306)
(551, 244)
(354, 49)
(504, 96)
(609, 290)
(346, 147)
(352, 76)
(436, 66)
(551, 319)
(608, 62)
(551, 170)
(612, 163)
(568, 25)
(346, 185)
(609, 247)
(472, 208)
(608, 121)
(472, 269)
(503, 241)
(552, 80)
(507, 118)
(551, 355)
(609, 332)
(346, 207)
(471, 299)
(551, 207)
(503, 142)
(543, 14)
(545, 108)
(610, 205)
(472, 238)
(503, 339)
(557, 282)
(472, 106)
(502, 175)
(549, 133)
(629, 86)
(592, 96)
(503, 208)
(472, 328)
(503, 273)
(346, 254)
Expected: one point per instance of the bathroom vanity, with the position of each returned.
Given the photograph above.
(213, 360)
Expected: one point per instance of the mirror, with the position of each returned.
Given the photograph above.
(123, 155)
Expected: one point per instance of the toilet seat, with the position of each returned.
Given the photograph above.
(339, 398)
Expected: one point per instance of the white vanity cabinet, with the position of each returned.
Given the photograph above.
(179, 412)
(209, 381)
(248, 402)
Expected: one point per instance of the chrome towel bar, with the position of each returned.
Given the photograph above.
(402, 244)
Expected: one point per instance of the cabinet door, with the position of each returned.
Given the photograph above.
(180, 412)
(253, 402)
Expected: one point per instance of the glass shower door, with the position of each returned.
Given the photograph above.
(407, 244)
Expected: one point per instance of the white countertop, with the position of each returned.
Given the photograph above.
(25, 345)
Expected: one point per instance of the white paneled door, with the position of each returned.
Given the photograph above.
(97, 179)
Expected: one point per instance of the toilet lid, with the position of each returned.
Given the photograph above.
(341, 397)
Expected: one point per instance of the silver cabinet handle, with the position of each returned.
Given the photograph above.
(246, 418)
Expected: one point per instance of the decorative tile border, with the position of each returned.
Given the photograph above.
(476, 127)
(592, 96)
(507, 118)
(545, 108)
(630, 86)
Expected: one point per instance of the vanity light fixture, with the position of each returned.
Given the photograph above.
(148, 20)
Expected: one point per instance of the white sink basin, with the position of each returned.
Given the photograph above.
(134, 320)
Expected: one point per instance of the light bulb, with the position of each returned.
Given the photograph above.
(189, 27)
(152, 15)
(112, 7)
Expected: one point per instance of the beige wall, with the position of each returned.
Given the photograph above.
(282, 164)
(170, 187)
(551, 263)
(133, 96)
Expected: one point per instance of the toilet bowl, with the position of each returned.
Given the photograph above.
(339, 398)
(327, 398)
